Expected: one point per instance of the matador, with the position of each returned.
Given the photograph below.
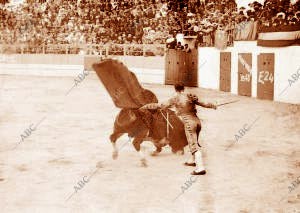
(185, 107)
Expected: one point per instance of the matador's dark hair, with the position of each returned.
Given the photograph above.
(179, 87)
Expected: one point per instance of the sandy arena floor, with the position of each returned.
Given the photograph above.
(69, 143)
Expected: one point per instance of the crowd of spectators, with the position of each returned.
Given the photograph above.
(137, 21)
(276, 13)
(206, 20)
(85, 22)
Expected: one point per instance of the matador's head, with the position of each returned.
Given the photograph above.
(179, 87)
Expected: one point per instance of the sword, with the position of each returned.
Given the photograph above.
(230, 102)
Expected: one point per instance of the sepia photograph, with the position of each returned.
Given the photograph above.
(149, 106)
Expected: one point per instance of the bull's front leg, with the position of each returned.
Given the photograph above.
(157, 150)
(137, 145)
(159, 144)
(113, 140)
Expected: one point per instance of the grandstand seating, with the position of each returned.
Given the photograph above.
(115, 22)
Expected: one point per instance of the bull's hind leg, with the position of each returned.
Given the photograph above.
(113, 139)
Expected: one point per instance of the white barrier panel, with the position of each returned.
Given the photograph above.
(147, 69)
(144, 75)
(151, 76)
(41, 59)
(209, 68)
(40, 69)
(287, 64)
(150, 62)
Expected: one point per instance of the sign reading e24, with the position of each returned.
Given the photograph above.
(265, 76)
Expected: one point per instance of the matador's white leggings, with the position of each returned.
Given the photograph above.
(192, 127)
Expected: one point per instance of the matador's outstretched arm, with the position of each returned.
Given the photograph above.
(152, 106)
(195, 99)
(207, 105)
(163, 105)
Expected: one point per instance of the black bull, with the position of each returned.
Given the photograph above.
(129, 95)
(150, 125)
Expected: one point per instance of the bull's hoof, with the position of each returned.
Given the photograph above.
(155, 153)
(115, 155)
(144, 162)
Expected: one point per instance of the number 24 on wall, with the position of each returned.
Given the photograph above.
(265, 76)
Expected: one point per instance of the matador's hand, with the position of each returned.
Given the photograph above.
(213, 106)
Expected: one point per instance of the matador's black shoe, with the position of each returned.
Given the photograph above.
(189, 164)
(203, 172)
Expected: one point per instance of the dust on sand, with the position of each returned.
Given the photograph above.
(69, 154)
